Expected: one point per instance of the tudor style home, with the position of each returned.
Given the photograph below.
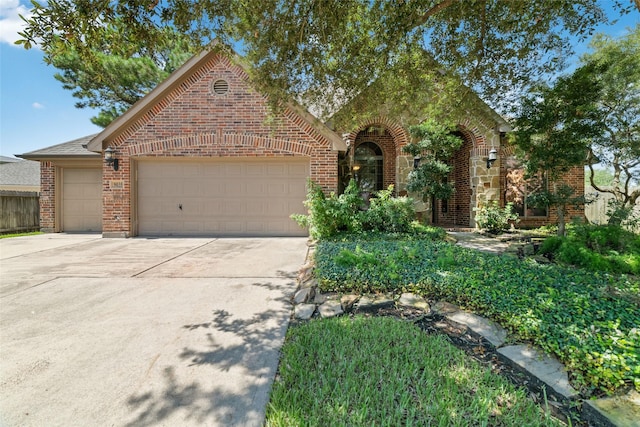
(202, 154)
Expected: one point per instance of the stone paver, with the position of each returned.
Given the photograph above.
(618, 411)
(304, 311)
(477, 241)
(368, 302)
(303, 295)
(491, 331)
(542, 366)
(408, 299)
(330, 308)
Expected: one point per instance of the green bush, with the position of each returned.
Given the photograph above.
(495, 219)
(346, 213)
(589, 320)
(389, 214)
(596, 247)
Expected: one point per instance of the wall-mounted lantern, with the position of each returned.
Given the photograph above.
(416, 162)
(356, 168)
(493, 156)
(110, 159)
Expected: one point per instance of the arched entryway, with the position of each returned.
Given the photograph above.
(368, 166)
(373, 152)
(456, 211)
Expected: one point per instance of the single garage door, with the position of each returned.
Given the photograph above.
(241, 197)
(81, 200)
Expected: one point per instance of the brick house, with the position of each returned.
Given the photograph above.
(202, 154)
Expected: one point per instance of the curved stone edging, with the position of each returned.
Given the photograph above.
(543, 369)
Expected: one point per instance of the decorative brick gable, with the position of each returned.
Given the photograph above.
(193, 121)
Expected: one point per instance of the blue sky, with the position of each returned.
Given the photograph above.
(35, 112)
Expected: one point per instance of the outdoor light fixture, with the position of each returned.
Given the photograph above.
(110, 159)
(493, 156)
(416, 162)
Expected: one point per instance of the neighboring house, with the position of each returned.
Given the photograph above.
(19, 175)
(203, 154)
(5, 159)
(19, 188)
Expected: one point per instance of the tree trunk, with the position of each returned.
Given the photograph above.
(561, 225)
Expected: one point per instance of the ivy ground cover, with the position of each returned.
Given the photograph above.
(589, 320)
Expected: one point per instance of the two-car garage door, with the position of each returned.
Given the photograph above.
(221, 197)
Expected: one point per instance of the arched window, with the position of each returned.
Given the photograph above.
(368, 164)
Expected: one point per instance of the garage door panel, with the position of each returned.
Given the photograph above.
(226, 197)
(81, 200)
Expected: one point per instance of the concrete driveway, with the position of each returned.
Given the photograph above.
(141, 332)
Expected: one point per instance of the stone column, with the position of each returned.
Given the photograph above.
(485, 183)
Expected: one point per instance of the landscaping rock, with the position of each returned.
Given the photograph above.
(320, 298)
(528, 250)
(330, 309)
(415, 301)
(617, 411)
(373, 303)
(303, 295)
(546, 368)
(540, 259)
(304, 311)
(443, 307)
(309, 282)
(348, 301)
(481, 326)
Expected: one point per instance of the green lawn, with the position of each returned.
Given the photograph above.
(589, 320)
(382, 371)
(31, 233)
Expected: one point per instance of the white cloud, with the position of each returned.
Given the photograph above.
(10, 21)
(37, 106)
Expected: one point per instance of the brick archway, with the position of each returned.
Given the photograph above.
(398, 133)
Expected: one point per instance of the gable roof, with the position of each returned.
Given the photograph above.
(120, 124)
(75, 148)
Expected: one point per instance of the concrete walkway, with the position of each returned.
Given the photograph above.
(142, 332)
(479, 242)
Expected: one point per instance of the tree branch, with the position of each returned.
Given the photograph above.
(437, 9)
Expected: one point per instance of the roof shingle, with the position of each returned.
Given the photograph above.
(75, 148)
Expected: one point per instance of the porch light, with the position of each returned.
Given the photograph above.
(110, 159)
(493, 156)
(416, 162)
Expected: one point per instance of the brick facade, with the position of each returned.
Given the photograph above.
(47, 197)
(193, 121)
(188, 117)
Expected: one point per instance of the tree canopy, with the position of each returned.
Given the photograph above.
(590, 116)
(323, 52)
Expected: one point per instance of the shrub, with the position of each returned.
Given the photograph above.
(329, 216)
(495, 219)
(597, 247)
(390, 214)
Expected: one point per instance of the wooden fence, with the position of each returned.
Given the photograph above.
(596, 212)
(20, 211)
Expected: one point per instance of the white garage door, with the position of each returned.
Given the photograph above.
(241, 197)
(81, 200)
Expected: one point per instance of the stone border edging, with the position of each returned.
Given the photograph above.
(545, 371)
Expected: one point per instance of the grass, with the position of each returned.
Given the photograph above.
(381, 371)
(10, 235)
